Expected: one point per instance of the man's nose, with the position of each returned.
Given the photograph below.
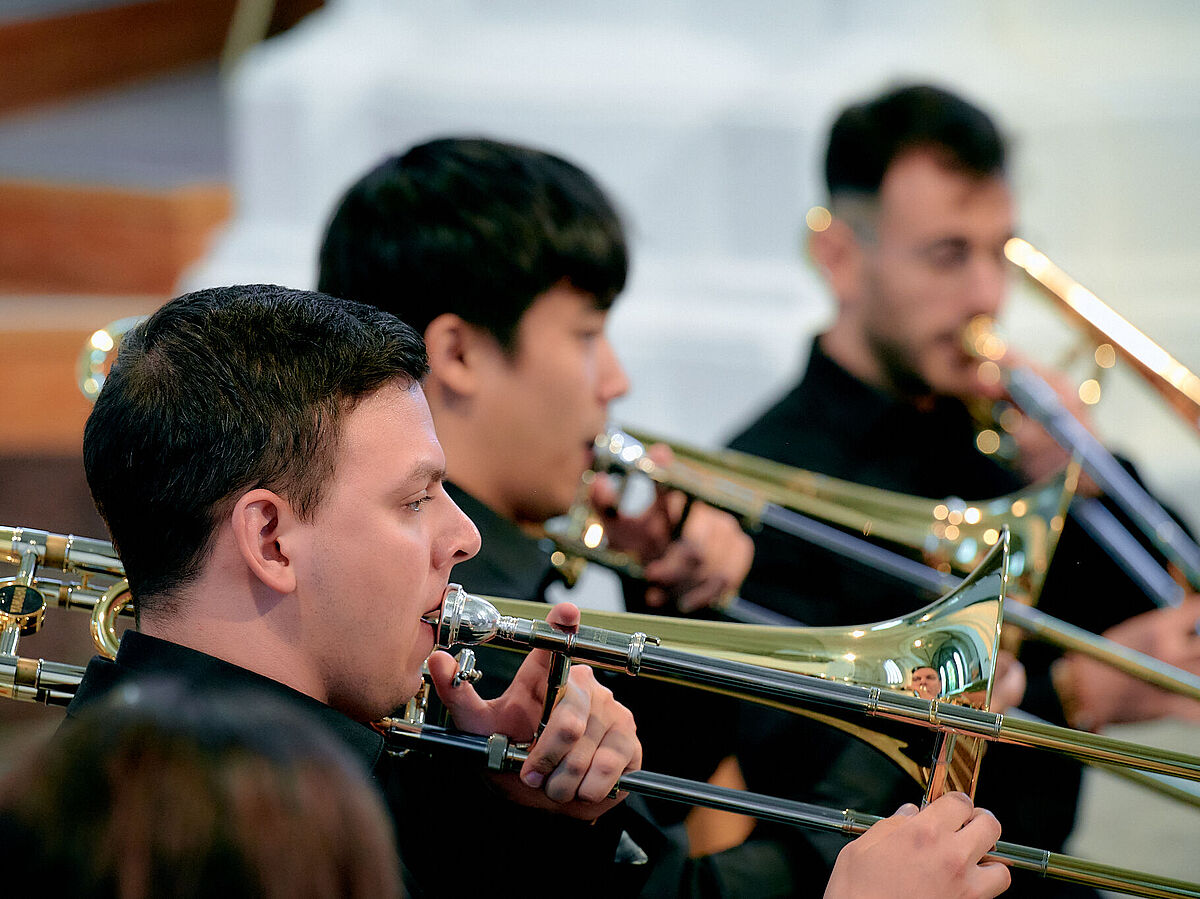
(611, 382)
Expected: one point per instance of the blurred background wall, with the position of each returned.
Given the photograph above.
(151, 147)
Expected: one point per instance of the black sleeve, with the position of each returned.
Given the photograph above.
(456, 834)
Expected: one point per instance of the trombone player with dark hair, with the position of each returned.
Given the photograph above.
(921, 211)
(269, 472)
(508, 259)
(267, 467)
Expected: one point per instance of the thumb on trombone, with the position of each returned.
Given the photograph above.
(588, 742)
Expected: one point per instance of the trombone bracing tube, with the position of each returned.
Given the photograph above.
(470, 620)
(1038, 623)
(1039, 401)
(500, 755)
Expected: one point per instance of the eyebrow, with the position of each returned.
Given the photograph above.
(424, 473)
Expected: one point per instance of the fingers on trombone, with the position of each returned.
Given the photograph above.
(564, 616)
(977, 835)
(465, 706)
(604, 495)
(974, 833)
(676, 574)
(589, 741)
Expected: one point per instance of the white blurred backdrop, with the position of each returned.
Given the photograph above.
(705, 120)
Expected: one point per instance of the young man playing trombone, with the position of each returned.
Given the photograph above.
(921, 213)
(267, 467)
(508, 259)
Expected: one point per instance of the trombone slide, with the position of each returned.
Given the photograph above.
(501, 755)
(467, 619)
(1039, 401)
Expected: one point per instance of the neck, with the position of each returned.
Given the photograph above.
(240, 621)
(480, 459)
(849, 348)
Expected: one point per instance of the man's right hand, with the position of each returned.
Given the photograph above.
(931, 854)
(1095, 694)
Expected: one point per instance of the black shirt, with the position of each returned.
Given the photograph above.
(684, 732)
(832, 423)
(454, 833)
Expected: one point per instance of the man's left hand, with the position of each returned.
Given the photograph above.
(687, 567)
(590, 739)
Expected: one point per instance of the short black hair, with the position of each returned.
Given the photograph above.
(868, 137)
(221, 391)
(473, 227)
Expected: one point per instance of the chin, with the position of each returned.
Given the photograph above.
(558, 501)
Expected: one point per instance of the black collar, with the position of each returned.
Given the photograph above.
(141, 655)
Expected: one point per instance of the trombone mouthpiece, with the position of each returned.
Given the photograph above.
(465, 619)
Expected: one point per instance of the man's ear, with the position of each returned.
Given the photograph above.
(458, 354)
(839, 257)
(262, 524)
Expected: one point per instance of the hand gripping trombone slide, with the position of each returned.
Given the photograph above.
(467, 619)
(470, 620)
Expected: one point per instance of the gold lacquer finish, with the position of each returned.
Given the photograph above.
(951, 533)
(104, 618)
(23, 600)
(715, 655)
(953, 641)
(1166, 374)
(955, 637)
(748, 486)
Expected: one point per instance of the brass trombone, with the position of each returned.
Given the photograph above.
(93, 364)
(763, 665)
(753, 489)
(1038, 400)
(1162, 371)
(98, 573)
(952, 534)
(1115, 337)
(759, 663)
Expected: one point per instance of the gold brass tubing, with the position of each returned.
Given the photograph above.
(1166, 374)
(762, 481)
(91, 369)
(103, 626)
(739, 678)
(1139, 665)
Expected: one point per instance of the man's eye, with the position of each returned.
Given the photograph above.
(948, 257)
(415, 505)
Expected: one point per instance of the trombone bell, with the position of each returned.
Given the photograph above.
(956, 638)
